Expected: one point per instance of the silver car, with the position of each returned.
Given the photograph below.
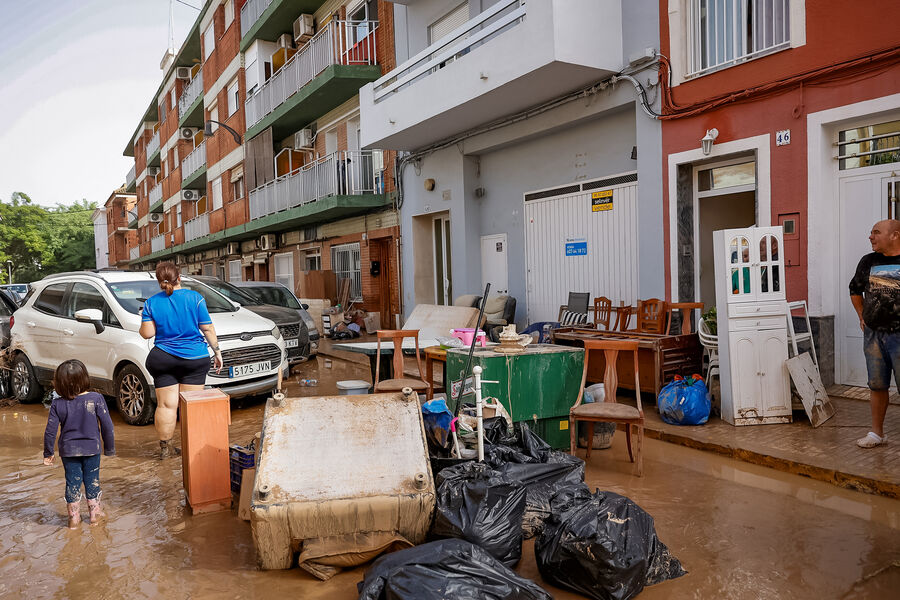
(270, 292)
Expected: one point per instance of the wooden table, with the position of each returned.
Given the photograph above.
(660, 357)
(370, 349)
(434, 354)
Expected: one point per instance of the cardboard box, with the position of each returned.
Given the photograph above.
(372, 322)
(316, 307)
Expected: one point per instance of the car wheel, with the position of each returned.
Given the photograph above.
(133, 396)
(25, 386)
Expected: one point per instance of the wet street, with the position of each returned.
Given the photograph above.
(741, 531)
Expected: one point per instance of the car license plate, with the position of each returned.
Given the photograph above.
(292, 343)
(250, 369)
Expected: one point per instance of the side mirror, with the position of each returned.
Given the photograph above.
(235, 304)
(304, 306)
(91, 315)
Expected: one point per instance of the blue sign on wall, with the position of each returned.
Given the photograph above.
(576, 247)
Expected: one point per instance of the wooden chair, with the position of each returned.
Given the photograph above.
(398, 382)
(602, 312)
(652, 316)
(685, 308)
(610, 411)
(623, 317)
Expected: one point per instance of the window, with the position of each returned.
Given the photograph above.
(209, 40)
(178, 215)
(359, 17)
(208, 269)
(450, 21)
(51, 299)
(165, 168)
(312, 260)
(869, 145)
(284, 270)
(229, 12)
(234, 270)
(237, 188)
(214, 116)
(84, 296)
(162, 113)
(172, 101)
(233, 99)
(727, 176)
(217, 193)
(345, 264)
(724, 32)
(175, 156)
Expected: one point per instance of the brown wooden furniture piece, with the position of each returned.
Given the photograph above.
(602, 312)
(205, 417)
(685, 308)
(398, 382)
(623, 317)
(661, 356)
(434, 354)
(652, 316)
(610, 411)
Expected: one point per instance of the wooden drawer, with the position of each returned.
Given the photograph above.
(757, 324)
(753, 309)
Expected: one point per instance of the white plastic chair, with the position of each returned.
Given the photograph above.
(710, 343)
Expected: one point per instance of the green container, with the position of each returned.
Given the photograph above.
(540, 383)
(553, 430)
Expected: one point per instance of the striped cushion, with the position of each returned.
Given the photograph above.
(573, 318)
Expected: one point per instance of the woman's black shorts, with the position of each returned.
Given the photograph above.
(167, 369)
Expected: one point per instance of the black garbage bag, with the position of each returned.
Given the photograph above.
(478, 504)
(445, 569)
(544, 471)
(602, 545)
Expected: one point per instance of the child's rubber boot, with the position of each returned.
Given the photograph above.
(167, 449)
(95, 510)
(74, 509)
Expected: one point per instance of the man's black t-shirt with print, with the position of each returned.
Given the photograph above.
(877, 280)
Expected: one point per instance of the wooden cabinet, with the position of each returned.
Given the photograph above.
(750, 297)
(205, 417)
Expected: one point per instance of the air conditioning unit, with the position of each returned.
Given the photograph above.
(182, 72)
(156, 217)
(304, 28)
(188, 133)
(285, 41)
(152, 171)
(190, 195)
(303, 139)
(267, 242)
(232, 248)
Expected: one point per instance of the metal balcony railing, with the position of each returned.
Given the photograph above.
(193, 91)
(129, 179)
(251, 12)
(340, 42)
(153, 144)
(193, 161)
(342, 173)
(155, 195)
(157, 243)
(197, 227)
(134, 253)
(497, 19)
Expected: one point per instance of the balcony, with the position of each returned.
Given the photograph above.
(153, 150)
(191, 101)
(196, 228)
(134, 253)
(155, 198)
(479, 72)
(130, 179)
(326, 72)
(267, 19)
(341, 175)
(157, 243)
(193, 168)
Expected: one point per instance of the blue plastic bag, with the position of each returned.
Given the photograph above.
(684, 401)
(437, 419)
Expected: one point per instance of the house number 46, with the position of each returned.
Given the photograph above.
(783, 138)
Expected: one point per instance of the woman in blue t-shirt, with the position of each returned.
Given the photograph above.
(179, 360)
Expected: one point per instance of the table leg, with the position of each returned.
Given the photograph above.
(429, 376)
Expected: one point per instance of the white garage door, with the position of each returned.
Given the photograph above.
(581, 238)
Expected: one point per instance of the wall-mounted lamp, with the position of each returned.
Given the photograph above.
(429, 184)
(208, 130)
(706, 143)
(634, 153)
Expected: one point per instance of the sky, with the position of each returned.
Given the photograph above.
(77, 76)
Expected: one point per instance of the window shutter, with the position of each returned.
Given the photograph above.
(453, 19)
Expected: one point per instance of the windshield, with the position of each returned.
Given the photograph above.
(231, 292)
(276, 295)
(132, 294)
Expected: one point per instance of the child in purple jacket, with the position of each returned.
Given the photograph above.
(83, 419)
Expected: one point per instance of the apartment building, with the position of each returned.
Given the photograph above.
(248, 162)
(531, 155)
(113, 238)
(799, 104)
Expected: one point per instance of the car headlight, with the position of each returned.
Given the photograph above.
(276, 333)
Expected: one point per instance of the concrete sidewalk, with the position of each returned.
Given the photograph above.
(827, 453)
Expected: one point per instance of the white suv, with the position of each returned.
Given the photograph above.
(95, 316)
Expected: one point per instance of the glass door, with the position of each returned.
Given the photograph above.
(443, 275)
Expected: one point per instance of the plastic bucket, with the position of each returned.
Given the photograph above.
(467, 333)
(353, 387)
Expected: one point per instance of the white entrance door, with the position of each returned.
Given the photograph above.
(493, 263)
(863, 202)
(443, 274)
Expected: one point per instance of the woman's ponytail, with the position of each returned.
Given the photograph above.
(167, 275)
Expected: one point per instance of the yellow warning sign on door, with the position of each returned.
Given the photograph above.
(602, 201)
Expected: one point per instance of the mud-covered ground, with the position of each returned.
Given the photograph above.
(741, 531)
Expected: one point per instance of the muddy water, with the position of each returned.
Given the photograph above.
(742, 531)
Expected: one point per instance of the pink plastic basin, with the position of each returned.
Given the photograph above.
(466, 335)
